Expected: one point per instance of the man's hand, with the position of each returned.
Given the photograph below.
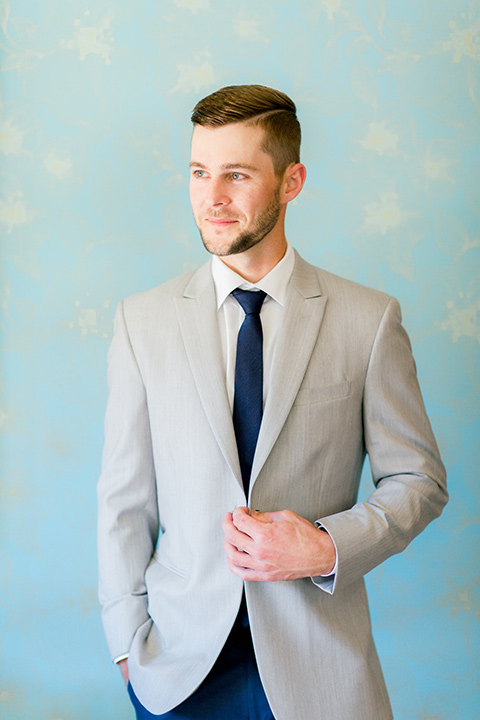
(276, 546)
(123, 665)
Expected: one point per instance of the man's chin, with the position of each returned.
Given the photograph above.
(222, 250)
(215, 248)
(234, 247)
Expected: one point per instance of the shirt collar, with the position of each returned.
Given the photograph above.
(274, 283)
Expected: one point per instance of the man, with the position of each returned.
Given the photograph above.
(232, 548)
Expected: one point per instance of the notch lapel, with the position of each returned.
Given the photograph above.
(197, 317)
(304, 311)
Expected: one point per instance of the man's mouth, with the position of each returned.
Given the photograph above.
(220, 222)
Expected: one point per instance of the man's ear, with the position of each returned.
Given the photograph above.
(293, 181)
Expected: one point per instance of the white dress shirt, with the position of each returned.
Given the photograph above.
(231, 315)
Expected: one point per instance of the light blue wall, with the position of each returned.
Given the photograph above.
(94, 135)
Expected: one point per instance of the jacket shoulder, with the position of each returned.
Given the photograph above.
(160, 296)
(335, 285)
(343, 291)
(171, 288)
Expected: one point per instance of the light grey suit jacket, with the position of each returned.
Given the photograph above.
(343, 385)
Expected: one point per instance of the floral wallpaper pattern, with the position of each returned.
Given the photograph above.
(94, 146)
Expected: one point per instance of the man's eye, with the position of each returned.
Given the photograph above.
(199, 173)
(236, 176)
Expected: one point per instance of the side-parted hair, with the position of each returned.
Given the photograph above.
(270, 109)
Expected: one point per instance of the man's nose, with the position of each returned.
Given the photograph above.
(218, 192)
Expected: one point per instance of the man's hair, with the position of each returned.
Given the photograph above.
(270, 109)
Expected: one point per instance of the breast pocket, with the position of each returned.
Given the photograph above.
(326, 393)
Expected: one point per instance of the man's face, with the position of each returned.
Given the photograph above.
(234, 191)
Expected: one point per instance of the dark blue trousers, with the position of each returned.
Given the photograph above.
(231, 691)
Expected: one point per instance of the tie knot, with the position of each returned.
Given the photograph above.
(250, 300)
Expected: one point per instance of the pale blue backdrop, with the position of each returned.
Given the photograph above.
(94, 145)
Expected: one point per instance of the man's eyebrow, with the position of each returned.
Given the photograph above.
(240, 166)
(227, 166)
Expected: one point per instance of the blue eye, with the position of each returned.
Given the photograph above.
(199, 173)
(236, 176)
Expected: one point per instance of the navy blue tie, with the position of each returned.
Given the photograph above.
(248, 398)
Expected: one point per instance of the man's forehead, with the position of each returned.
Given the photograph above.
(229, 146)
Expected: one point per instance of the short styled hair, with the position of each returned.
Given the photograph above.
(270, 109)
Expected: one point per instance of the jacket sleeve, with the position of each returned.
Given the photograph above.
(127, 504)
(409, 477)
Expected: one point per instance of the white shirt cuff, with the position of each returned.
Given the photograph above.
(326, 582)
(120, 658)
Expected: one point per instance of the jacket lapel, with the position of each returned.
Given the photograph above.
(304, 310)
(197, 317)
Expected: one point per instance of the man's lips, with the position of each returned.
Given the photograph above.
(220, 221)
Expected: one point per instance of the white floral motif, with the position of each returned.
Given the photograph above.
(384, 215)
(89, 320)
(11, 138)
(463, 43)
(92, 40)
(437, 169)
(193, 77)
(247, 28)
(58, 166)
(380, 139)
(463, 321)
(332, 7)
(13, 211)
(193, 5)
